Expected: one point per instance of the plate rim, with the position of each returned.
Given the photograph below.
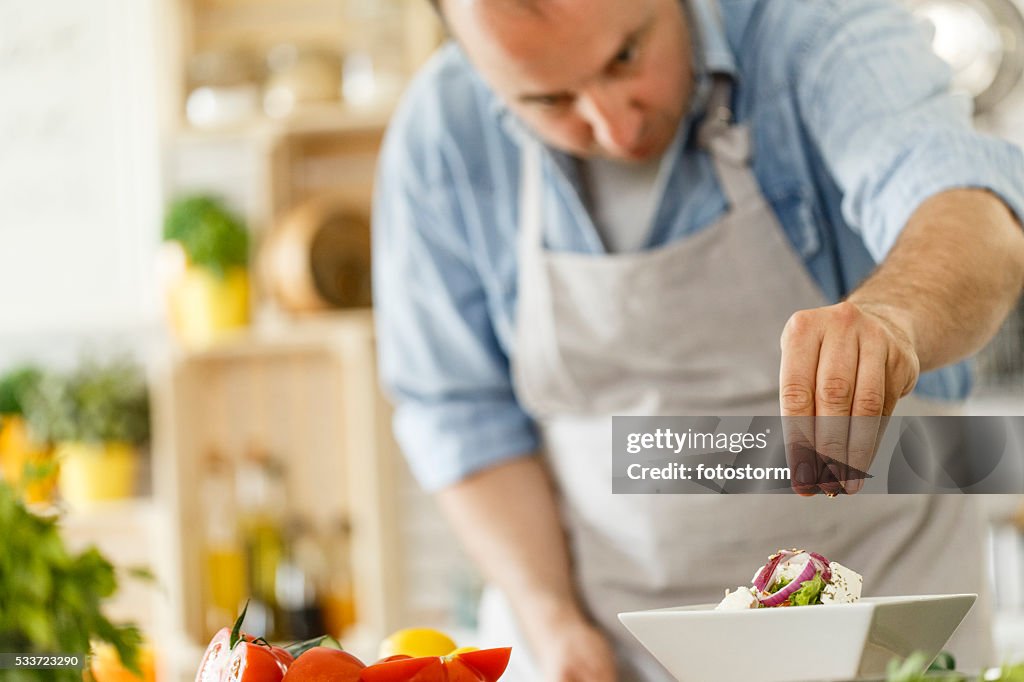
(691, 610)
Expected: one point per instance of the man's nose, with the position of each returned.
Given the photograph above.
(615, 121)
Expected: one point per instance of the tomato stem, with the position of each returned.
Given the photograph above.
(236, 631)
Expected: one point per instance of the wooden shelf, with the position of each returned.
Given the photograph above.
(104, 512)
(288, 335)
(305, 387)
(326, 119)
(305, 391)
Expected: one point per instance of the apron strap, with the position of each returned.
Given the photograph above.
(728, 143)
(531, 205)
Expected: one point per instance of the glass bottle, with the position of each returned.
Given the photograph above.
(299, 583)
(224, 561)
(339, 602)
(261, 501)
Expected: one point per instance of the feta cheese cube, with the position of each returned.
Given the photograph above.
(741, 598)
(845, 586)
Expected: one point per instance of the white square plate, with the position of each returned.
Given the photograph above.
(797, 644)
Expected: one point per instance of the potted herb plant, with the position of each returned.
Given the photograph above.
(97, 417)
(50, 598)
(26, 463)
(208, 294)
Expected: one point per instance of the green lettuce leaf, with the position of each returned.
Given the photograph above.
(809, 592)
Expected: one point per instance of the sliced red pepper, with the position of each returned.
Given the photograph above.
(460, 671)
(424, 669)
(490, 663)
(486, 665)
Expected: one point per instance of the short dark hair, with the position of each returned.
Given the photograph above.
(436, 4)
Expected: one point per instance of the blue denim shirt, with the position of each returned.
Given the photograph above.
(854, 126)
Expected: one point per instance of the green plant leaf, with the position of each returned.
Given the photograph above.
(15, 387)
(50, 599)
(99, 402)
(944, 661)
(143, 573)
(211, 235)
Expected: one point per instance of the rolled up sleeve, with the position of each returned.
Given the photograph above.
(440, 362)
(877, 103)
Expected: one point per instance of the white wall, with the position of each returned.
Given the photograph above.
(80, 203)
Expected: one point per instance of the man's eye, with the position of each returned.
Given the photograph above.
(553, 101)
(627, 54)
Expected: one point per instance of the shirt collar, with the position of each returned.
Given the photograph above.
(712, 43)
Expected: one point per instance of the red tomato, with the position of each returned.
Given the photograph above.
(490, 663)
(323, 664)
(253, 663)
(215, 658)
(282, 655)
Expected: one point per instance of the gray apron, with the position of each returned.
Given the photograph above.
(693, 328)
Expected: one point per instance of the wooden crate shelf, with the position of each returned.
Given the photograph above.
(307, 393)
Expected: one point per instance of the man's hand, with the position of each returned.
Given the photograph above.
(941, 293)
(507, 517)
(841, 361)
(574, 651)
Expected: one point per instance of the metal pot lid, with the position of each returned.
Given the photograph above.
(983, 42)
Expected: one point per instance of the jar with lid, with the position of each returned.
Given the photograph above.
(300, 75)
(224, 88)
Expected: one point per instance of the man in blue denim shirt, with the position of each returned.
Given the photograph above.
(597, 207)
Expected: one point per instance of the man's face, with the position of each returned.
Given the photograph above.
(607, 78)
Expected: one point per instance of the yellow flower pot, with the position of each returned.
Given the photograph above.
(96, 472)
(105, 665)
(205, 307)
(17, 452)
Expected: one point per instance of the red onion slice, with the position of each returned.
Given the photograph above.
(824, 565)
(766, 575)
(761, 579)
(776, 563)
(810, 570)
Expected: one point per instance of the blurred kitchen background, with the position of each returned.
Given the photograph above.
(184, 278)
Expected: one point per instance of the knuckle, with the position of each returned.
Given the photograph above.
(869, 401)
(846, 313)
(832, 444)
(836, 392)
(796, 398)
(799, 322)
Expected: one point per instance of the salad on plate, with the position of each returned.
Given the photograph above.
(795, 577)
